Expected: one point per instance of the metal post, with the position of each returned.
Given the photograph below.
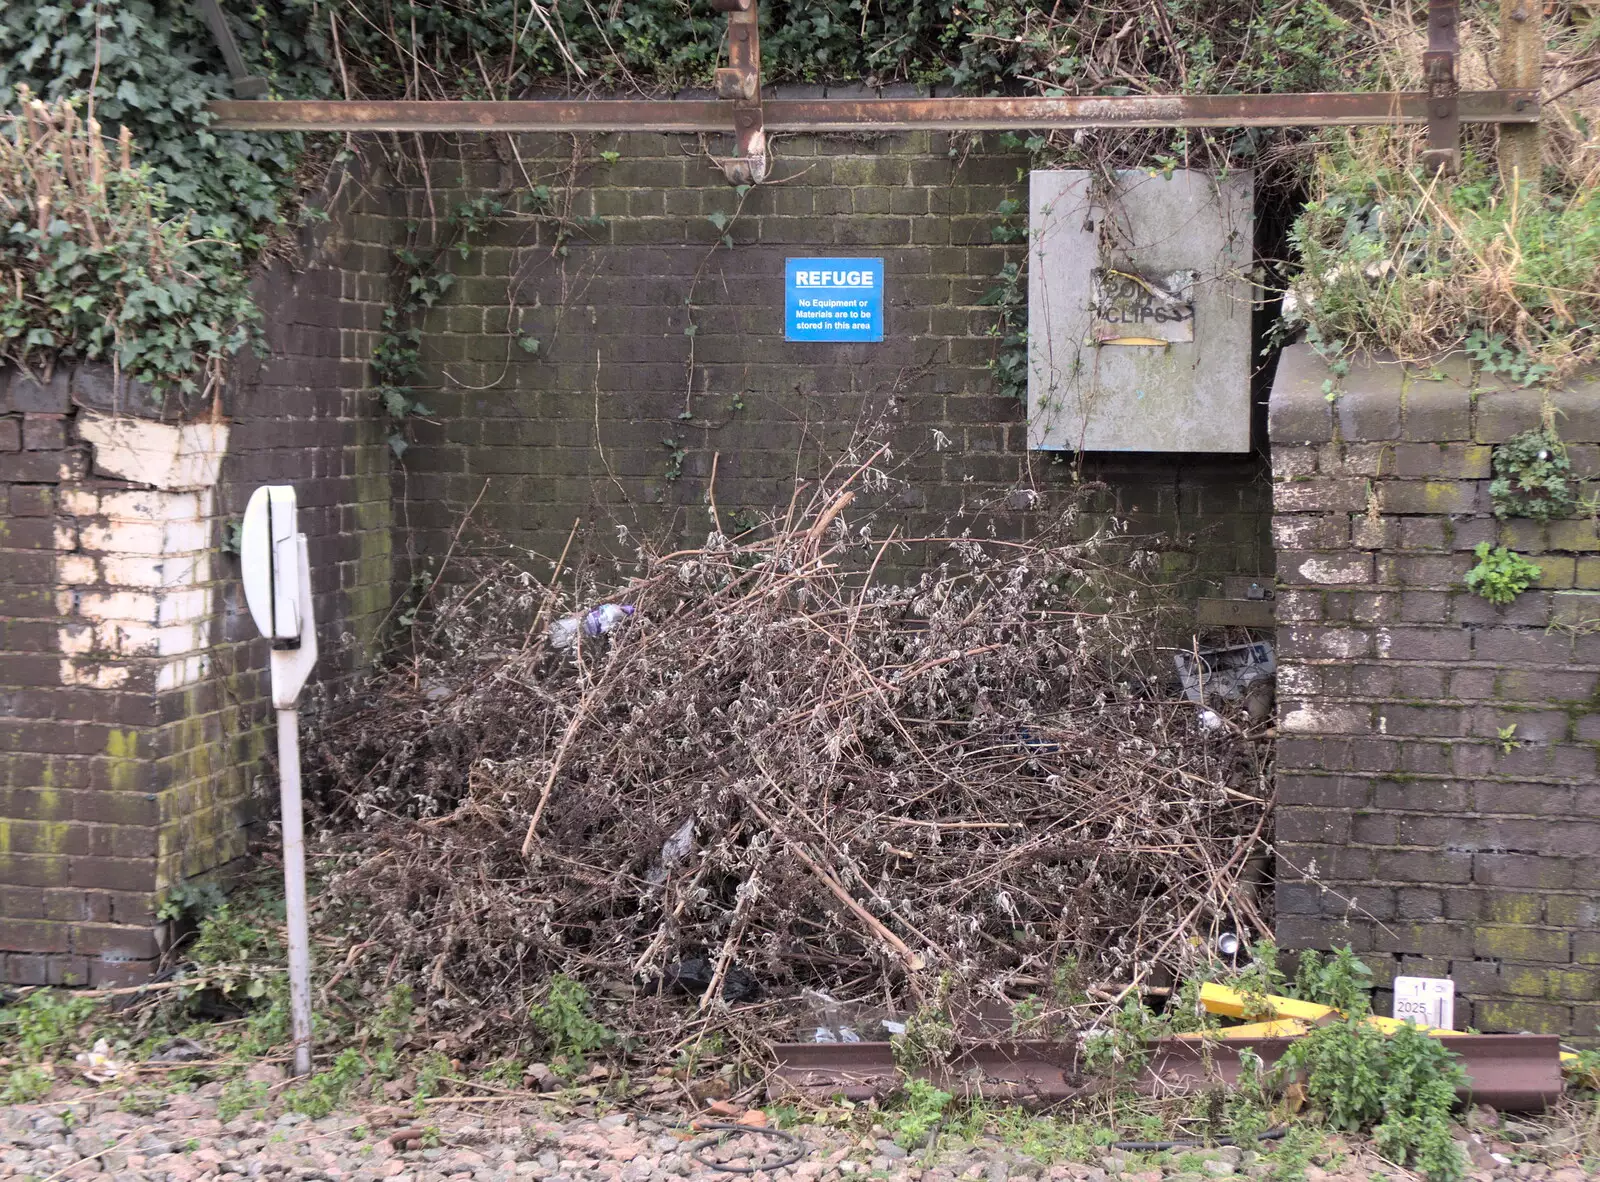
(244, 84)
(1444, 108)
(1520, 65)
(276, 568)
(741, 82)
(294, 887)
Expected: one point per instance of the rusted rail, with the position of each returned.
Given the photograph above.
(742, 109)
(1512, 1072)
(816, 115)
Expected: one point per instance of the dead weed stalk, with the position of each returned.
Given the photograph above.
(798, 775)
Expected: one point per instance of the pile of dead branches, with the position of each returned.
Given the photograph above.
(797, 773)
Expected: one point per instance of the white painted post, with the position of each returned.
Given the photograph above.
(277, 588)
(294, 888)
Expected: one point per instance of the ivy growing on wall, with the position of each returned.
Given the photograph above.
(100, 267)
(151, 66)
(131, 227)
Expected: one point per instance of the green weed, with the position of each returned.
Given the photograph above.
(322, 1093)
(1341, 980)
(922, 1108)
(46, 1023)
(1120, 1050)
(1288, 1159)
(565, 1021)
(1500, 575)
(240, 1095)
(1402, 1086)
(1532, 476)
(25, 1084)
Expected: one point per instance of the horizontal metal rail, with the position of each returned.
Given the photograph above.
(871, 115)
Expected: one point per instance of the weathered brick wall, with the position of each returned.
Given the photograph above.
(1406, 824)
(579, 430)
(132, 691)
(133, 715)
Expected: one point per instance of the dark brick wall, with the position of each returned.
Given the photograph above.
(1406, 826)
(133, 694)
(120, 783)
(578, 431)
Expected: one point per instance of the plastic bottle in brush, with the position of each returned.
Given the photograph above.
(564, 633)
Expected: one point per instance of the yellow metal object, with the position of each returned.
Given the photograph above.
(1281, 1028)
(1230, 1003)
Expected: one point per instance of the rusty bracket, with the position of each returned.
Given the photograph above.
(740, 81)
(1443, 154)
(245, 85)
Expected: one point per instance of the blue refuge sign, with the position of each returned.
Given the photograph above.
(833, 300)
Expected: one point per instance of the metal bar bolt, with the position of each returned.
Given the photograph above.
(740, 81)
(1443, 154)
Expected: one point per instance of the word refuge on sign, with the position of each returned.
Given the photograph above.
(1132, 310)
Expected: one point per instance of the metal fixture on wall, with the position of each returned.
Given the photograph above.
(739, 107)
(245, 85)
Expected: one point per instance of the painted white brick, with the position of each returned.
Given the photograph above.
(127, 639)
(168, 457)
(93, 674)
(181, 536)
(130, 606)
(1295, 680)
(185, 671)
(76, 638)
(1343, 643)
(1328, 568)
(179, 639)
(1296, 533)
(79, 502)
(149, 571)
(1328, 720)
(150, 505)
(66, 534)
(124, 537)
(181, 607)
(77, 569)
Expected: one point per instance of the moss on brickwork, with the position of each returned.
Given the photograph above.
(676, 332)
(1490, 712)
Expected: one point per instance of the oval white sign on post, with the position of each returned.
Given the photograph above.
(269, 560)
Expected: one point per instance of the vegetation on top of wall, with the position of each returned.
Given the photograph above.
(1393, 258)
(131, 226)
(151, 66)
(1390, 260)
(496, 49)
(100, 267)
